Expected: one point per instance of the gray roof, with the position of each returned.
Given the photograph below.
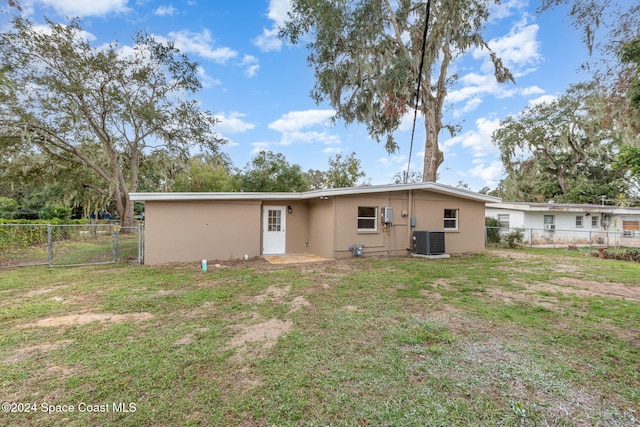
(562, 207)
(332, 192)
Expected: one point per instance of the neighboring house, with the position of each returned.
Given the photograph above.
(558, 223)
(187, 227)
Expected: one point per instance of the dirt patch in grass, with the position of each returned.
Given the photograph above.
(273, 293)
(85, 318)
(265, 334)
(512, 254)
(37, 292)
(299, 302)
(256, 338)
(28, 352)
(592, 288)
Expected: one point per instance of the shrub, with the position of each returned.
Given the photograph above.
(7, 204)
(515, 238)
(55, 211)
(493, 230)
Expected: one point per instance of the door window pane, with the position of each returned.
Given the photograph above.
(274, 220)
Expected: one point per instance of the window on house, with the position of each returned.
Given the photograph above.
(503, 220)
(594, 221)
(579, 221)
(367, 218)
(451, 219)
(549, 222)
(631, 228)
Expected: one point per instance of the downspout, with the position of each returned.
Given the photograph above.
(410, 207)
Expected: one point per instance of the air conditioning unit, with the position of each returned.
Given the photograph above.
(549, 226)
(428, 242)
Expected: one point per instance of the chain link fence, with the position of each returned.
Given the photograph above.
(58, 245)
(594, 240)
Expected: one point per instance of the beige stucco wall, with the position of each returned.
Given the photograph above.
(321, 227)
(429, 213)
(383, 241)
(428, 209)
(189, 231)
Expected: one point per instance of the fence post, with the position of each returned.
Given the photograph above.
(113, 243)
(49, 246)
(140, 244)
(115, 228)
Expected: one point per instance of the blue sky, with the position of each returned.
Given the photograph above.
(259, 87)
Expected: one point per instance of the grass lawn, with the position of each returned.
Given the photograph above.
(546, 337)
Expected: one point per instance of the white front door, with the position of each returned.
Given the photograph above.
(273, 229)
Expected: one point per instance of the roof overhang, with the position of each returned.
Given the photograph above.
(332, 192)
(563, 207)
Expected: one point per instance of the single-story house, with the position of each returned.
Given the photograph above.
(560, 223)
(332, 223)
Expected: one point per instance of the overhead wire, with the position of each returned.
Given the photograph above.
(415, 112)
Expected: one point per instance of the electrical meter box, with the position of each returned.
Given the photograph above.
(387, 215)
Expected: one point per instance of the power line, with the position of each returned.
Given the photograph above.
(415, 112)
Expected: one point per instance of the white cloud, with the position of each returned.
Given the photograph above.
(332, 150)
(470, 106)
(489, 174)
(532, 90)
(201, 44)
(297, 120)
(80, 35)
(87, 8)
(206, 80)
(232, 122)
(478, 141)
(260, 146)
(519, 51)
(268, 40)
(505, 9)
(165, 11)
(542, 99)
(291, 126)
(289, 138)
(518, 48)
(251, 65)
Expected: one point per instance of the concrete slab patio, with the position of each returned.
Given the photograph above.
(294, 258)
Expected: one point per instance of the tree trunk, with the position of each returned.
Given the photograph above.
(562, 181)
(126, 217)
(433, 156)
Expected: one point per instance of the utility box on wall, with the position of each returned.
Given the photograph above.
(387, 215)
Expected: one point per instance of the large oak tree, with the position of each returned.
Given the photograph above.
(367, 57)
(562, 150)
(101, 108)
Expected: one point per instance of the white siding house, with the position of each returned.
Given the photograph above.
(561, 224)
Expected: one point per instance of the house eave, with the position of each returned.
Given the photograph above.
(332, 192)
(563, 207)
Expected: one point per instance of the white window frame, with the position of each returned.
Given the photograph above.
(374, 218)
(455, 219)
(548, 222)
(595, 221)
(503, 221)
(630, 228)
(579, 221)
